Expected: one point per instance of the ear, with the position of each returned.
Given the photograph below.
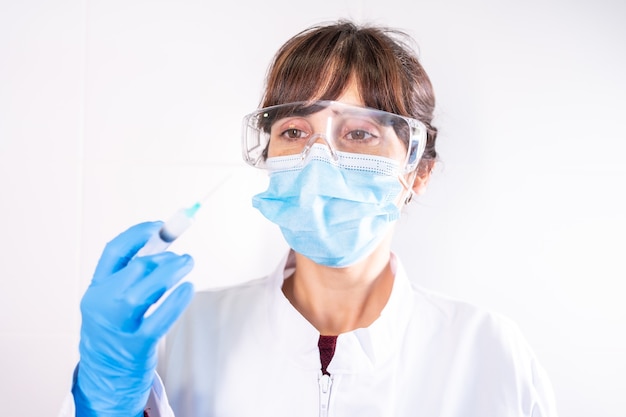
(422, 176)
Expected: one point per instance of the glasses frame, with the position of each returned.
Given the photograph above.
(256, 155)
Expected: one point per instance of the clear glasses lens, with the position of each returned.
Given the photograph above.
(291, 129)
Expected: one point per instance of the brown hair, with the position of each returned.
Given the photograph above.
(319, 62)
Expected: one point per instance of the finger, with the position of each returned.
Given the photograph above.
(123, 282)
(141, 266)
(119, 251)
(136, 288)
(135, 271)
(165, 315)
(146, 291)
(111, 299)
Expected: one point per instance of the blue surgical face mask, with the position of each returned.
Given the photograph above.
(334, 212)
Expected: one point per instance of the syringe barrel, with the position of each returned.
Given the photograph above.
(154, 245)
(169, 232)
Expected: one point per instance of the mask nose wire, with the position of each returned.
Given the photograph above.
(324, 137)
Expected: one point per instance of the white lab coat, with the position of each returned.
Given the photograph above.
(245, 351)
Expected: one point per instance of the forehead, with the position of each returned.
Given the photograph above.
(347, 108)
(351, 95)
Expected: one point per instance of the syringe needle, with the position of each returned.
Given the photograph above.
(176, 225)
(215, 188)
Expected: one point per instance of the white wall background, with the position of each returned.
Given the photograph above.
(117, 112)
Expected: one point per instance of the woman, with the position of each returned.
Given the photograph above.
(338, 329)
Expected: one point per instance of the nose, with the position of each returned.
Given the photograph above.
(323, 138)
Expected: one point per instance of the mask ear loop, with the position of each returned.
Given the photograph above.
(407, 187)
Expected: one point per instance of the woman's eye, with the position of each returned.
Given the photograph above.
(293, 133)
(359, 134)
(291, 129)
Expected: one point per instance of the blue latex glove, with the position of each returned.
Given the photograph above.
(117, 343)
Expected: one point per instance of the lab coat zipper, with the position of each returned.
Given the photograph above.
(325, 382)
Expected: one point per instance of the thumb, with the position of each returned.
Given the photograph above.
(119, 251)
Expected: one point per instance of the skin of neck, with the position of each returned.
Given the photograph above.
(339, 300)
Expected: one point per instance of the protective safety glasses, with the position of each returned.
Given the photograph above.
(292, 129)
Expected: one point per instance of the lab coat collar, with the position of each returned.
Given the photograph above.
(361, 350)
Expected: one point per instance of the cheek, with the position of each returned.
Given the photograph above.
(399, 152)
(284, 148)
(273, 150)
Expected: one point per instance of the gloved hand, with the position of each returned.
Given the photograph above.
(117, 343)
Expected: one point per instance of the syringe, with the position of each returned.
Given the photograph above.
(170, 231)
(174, 226)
